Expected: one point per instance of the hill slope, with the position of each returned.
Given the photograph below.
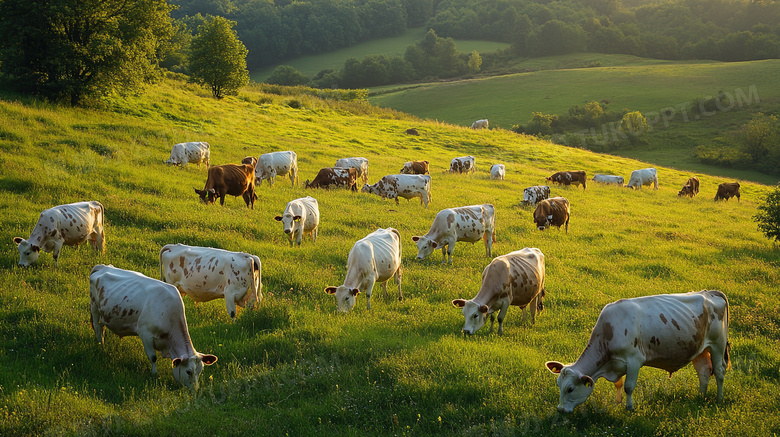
(294, 367)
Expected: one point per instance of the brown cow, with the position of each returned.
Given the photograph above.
(334, 176)
(691, 188)
(569, 177)
(552, 212)
(727, 190)
(251, 160)
(236, 180)
(415, 167)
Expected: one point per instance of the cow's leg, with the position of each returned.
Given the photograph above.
(444, 254)
(147, 339)
(492, 320)
(369, 288)
(100, 239)
(534, 304)
(632, 375)
(501, 315)
(384, 290)
(314, 233)
(94, 319)
(719, 365)
(230, 304)
(56, 252)
(703, 366)
(619, 391)
(487, 237)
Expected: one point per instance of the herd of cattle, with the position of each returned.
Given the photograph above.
(665, 331)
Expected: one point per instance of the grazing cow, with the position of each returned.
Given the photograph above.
(359, 164)
(415, 167)
(517, 279)
(402, 185)
(578, 177)
(69, 225)
(608, 179)
(334, 177)
(300, 217)
(552, 212)
(271, 165)
(645, 176)
(464, 164)
(497, 171)
(193, 152)
(232, 179)
(691, 188)
(480, 124)
(665, 331)
(535, 194)
(375, 258)
(251, 160)
(206, 273)
(131, 304)
(727, 190)
(467, 223)
(412, 131)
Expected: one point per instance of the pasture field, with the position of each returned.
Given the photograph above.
(295, 367)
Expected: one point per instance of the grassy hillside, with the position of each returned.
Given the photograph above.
(293, 366)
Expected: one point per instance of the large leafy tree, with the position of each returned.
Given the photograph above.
(218, 58)
(768, 216)
(74, 49)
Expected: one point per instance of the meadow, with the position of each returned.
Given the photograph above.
(293, 366)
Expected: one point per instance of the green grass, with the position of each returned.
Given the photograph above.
(293, 366)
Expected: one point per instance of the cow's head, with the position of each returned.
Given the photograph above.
(345, 297)
(574, 386)
(288, 222)
(425, 246)
(367, 189)
(187, 370)
(542, 218)
(207, 196)
(28, 253)
(474, 314)
(687, 190)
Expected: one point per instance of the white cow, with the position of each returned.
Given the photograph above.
(407, 186)
(467, 223)
(194, 152)
(69, 225)
(206, 273)
(497, 171)
(665, 331)
(517, 279)
(463, 164)
(271, 165)
(480, 124)
(131, 304)
(645, 176)
(300, 217)
(535, 194)
(359, 164)
(375, 258)
(608, 179)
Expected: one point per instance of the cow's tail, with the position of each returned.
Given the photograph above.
(726, 353)
(102, 245)
(162, 268)
(257, 285)
(540, 301)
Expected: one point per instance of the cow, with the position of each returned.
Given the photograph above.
(412, 131)
(206, 273)
(359, 164)
(415, 167)
(535, 194)
(407, 186)
(251, 160)
(271, 165)
(498, 171)
(68, 225)
(665, 331)
(334, 177)
(235, 180)
(375, 258)
(727, 190)
(480, 124)
(467, 223)
(464, 164)
(131, 304)
(300, 217)
(516, 278)
(645, 176)
(608, 179)
(552, 212)
(577, 177)
(194, 152)
(691, 188)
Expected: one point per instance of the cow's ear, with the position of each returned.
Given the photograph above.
(554, 366)
(331, 290)
(212, 191)
(434, 244)
(278, 218)
(587, 380)
(415, 238)
(354, 292)
(483, 309)
(35, 248)
(208, 359)
(176, 362)
(198, 192)
(459, 303)
(297, 218)
(18, 240)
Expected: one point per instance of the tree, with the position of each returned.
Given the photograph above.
(634, 125)
(475, 62)
(74, 49)
(759, 135)
(768, 216)
(287, 75)
(218, 58)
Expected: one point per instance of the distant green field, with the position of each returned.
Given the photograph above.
(395, 46)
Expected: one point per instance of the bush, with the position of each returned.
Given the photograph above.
(287, 75)
(768, 217)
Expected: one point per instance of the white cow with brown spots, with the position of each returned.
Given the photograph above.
(517, 279)
(359, 164)
(463, 164)
(193, 152)
(375, 258)
(498, 171)
(131, 304)
(68, 225)
(273, 164)
(206, 273)
(467, 223)
(665, 331)
(300, 217)
(407, 186)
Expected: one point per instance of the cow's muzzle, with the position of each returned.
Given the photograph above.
(562, 409)
(288, 231)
